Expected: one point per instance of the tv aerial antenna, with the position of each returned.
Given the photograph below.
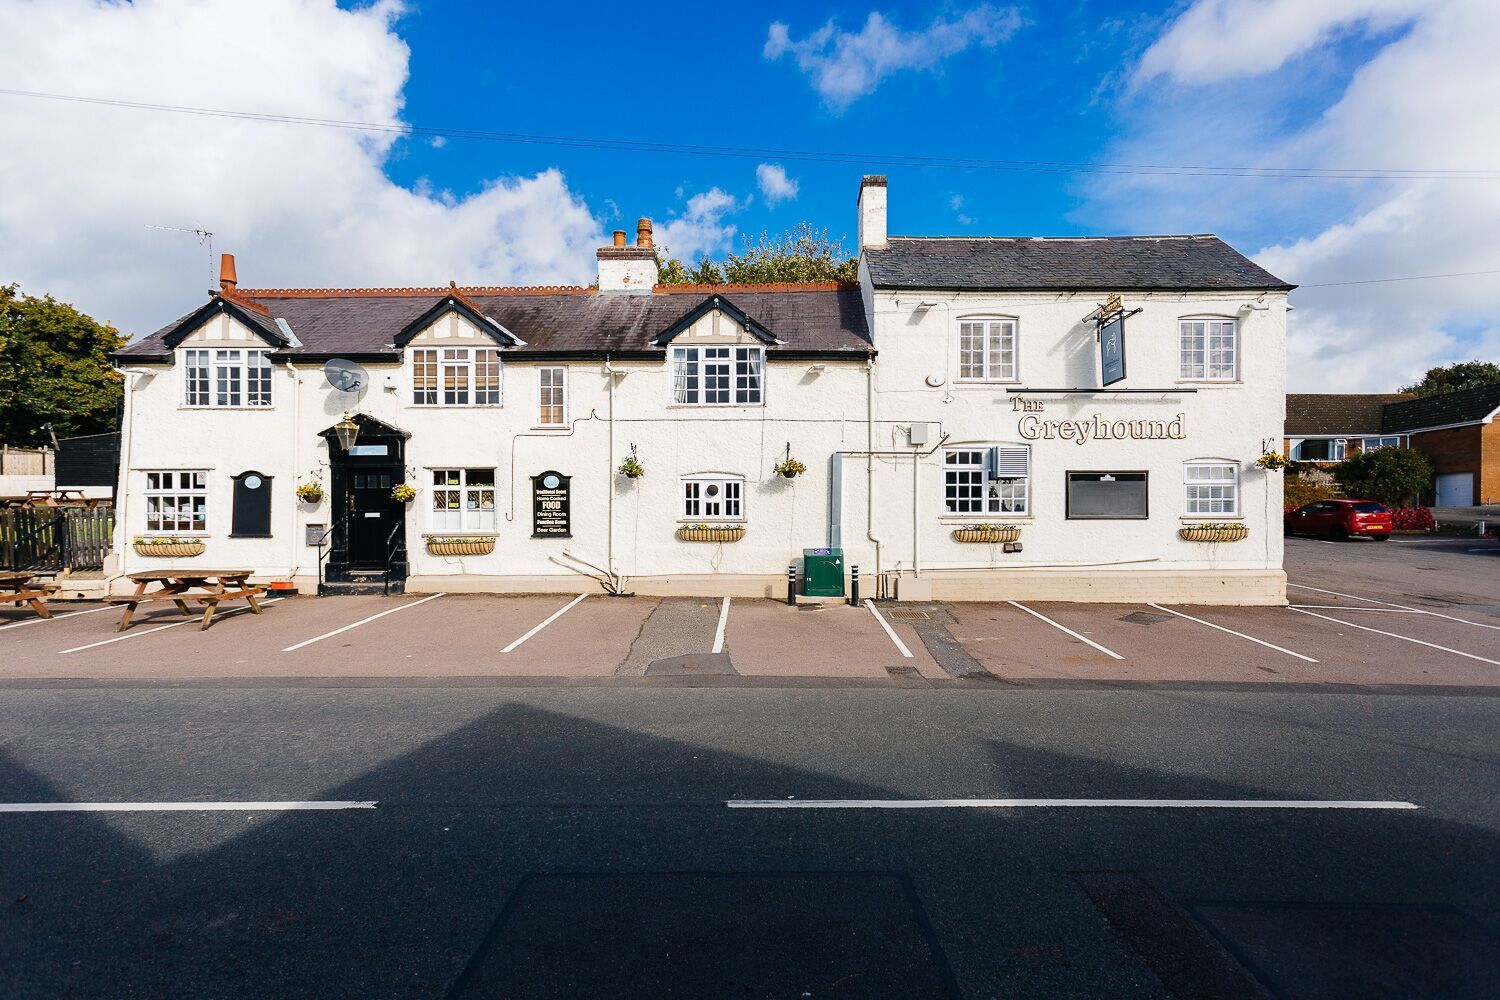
(205, 239)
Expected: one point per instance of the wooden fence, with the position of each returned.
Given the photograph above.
(26, 461)
(52, 539)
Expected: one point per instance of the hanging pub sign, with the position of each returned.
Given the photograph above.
(1111, 321)
(551, 506)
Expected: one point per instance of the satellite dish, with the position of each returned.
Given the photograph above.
(345, 376)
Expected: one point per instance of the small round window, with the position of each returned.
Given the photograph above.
(551, 482)
(252, 482)
(712, 490)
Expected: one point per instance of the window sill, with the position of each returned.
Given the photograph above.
(177, 534)
(223, 409)
(251, 536)
(984, 518)
(713, 522)
(1209, 381)
(476, 533)
(456, 406)
(980, 383)
(716, 406)
(549, 427)
(1197, 518)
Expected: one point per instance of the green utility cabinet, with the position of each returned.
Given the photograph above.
(823, 572)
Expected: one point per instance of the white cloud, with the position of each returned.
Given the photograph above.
(845, 66)
(1415, 104)
(700, 230)
(1222, 39)
(297, 205)
(439, 141)
(775, 185)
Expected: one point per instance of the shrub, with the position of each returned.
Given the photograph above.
(1394, 476)
(1296, 491)
(1412, 519)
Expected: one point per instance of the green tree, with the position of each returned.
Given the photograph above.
(800, 255)
(54, 369)
(1397, 477)
(1452, 378)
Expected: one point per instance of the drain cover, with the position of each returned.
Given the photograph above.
(1145, 618)
(909, 616)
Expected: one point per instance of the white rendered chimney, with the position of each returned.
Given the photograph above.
(629, 268)
(872, 211)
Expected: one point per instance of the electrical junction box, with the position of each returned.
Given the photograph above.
(917, 433)
(823, 572)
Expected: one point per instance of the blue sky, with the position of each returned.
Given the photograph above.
(1388, 85)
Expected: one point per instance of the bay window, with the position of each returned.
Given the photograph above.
(717, 376)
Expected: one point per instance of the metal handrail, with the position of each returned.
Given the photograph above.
(392, 544)
(322, 554)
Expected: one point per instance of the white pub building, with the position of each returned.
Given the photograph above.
(979, 418)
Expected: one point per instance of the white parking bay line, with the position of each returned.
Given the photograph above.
(362, 621)
(56, 618)
(1367, 611)
(547, 621)
(1393, 635)
(195, 620)
(1221, 628)
(1067, 804)
(723, 623)
(293, 806)
(1388, 604)
(1081, 638)
(888, 630)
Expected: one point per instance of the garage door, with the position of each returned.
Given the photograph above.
(1455, 489)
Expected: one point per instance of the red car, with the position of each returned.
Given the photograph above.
(1340, 519)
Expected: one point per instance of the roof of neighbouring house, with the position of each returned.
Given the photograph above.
(1464, 407)
(1103, 263)
(1337, 414)
(823, 318)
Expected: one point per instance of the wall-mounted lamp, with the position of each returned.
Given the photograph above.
(1254, 307)
(817, 369)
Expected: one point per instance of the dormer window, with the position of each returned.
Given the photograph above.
(717, 376)
(455, 376)
(226, 378)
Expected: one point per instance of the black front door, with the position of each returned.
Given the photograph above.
(373, 515)
(365, 514)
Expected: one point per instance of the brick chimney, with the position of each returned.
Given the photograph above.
(625, 268)
(228, 280)
(872, 211)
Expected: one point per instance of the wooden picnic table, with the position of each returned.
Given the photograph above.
(21, 588)
(206, 586)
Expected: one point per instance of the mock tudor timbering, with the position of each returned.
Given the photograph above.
(955, 388)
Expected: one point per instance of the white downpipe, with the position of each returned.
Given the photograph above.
(870, 461)
(295, 562)
(609, 476)
(916, 523)
(127, 435)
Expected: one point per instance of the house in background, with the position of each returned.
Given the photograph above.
(1456, 430)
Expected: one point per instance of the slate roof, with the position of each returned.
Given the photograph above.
(817, 319)
(1106, 263)
(1465, 407)
(1337, 413)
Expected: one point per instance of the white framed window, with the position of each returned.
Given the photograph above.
(987, 481)
(226, 378)
(463, 499)
(1208, 349)
(717, 498)
(718, 376)
(455, 376)
(176, 501)
(1210, 488)
(552, 396)
(1376, 443)
(987, 350)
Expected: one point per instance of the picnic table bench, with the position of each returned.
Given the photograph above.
(208, 587)
(22, 588)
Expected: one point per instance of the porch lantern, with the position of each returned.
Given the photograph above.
(347, 431)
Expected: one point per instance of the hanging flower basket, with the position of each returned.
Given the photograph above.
(631, 468)
(168, 548)
(1271, 461)
(705, 533)
(310, 493)
(991, 533)
(790, 468)
(1213, 533)
(469, 546)
(403, 493)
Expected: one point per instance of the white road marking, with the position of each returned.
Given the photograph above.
(1368, 611)
(51, 807)
(1081, 638)
(1067, 804)
(1403, 607)
(887, 626)
(362, 621)
(1482, 550)
(56, 618)
(1221, 628)
(137, 633)
(1393, 635)
(548, 621)
(723, 622)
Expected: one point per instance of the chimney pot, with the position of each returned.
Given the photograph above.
(643, 233)
(227, 278)
(619, 237)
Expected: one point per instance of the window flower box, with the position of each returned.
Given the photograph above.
(168, 548)
(991, 533)
(705, 533)
(1213, 532)
(481, 545)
